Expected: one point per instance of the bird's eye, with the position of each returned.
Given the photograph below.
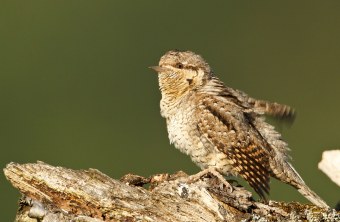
(179, 65)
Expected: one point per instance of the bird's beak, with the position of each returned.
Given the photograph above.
(158, 68)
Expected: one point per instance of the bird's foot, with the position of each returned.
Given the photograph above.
(214, 172)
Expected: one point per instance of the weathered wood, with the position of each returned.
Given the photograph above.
(330, 165)
(59, 194)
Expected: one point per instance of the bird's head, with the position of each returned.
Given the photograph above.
(180, 72)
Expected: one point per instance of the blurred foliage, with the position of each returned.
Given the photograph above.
(75, 89)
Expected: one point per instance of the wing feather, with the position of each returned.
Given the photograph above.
(231, 132)
(279, 111)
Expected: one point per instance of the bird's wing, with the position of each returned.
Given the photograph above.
(276, 110)
(261, 107)
(231, 132)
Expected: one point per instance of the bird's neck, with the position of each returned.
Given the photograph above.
(173, 94)
(172, 89)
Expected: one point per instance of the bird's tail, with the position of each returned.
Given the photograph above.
(311, 196)
(296, 181)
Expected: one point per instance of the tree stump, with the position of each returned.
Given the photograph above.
(60, 194)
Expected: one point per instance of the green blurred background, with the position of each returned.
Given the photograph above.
(75, 89)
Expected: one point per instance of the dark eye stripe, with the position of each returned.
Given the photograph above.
(182, 66)
(192, 67)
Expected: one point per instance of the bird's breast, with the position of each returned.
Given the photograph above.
(185, 135)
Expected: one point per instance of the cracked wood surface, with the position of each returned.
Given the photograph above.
(59, 194)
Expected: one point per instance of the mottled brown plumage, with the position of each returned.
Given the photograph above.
(222, 128)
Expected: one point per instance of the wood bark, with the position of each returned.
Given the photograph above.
(330, 165)
(59, 194)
